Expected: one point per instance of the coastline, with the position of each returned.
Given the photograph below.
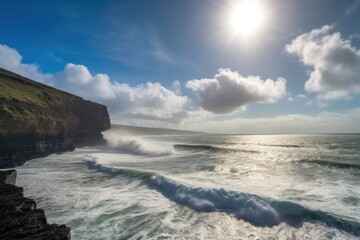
(19, 216)
(37, 120)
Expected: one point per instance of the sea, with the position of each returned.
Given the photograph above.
(202, 186)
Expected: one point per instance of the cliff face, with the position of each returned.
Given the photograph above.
(19, 216)
(36, 120)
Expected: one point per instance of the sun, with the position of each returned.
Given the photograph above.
(246, 17)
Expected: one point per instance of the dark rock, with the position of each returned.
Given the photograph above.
(8, 189)
(20, 219)
(53, 232)
(37, 120)
(8, 177)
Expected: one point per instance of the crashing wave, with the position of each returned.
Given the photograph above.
(248, 207)
(136, 145)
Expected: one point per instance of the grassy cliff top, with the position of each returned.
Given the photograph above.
(25, 103)
(14, 87)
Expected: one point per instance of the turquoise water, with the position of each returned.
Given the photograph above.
(203, 187)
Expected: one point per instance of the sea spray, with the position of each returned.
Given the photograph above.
(136, 145)
(252, 208)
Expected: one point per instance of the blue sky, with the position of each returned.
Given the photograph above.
(179, 64)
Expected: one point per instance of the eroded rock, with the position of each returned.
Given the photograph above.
(19, 217)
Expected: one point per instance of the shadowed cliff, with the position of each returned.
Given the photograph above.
(36, 120)
(19, 216)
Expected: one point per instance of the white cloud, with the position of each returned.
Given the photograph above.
(151, 104)
(141, 103)
(324, 122)
(228, 91)
(11, 60)
(78, 79)
(335, 63)
(150, 101)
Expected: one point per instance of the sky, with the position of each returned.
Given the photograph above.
(224, 66)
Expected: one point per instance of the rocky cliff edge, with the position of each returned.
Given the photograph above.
(36, 120)
(20, 219)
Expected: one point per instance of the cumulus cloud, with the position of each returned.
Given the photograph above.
(10, 59)
(228, 91)
(150, 101)
(77, 78)
(335, 63)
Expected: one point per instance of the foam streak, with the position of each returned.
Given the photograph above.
(251, 208)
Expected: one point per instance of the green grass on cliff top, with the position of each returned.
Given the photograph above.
(21, 93)
(25, 99)
(16, 88)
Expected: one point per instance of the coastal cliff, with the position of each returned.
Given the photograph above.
(19, 216)
(36, 120)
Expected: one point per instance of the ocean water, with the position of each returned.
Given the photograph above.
(203, 187)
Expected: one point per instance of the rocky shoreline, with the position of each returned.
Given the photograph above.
(37, 120)
(19, 216)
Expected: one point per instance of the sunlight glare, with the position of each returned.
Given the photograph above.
(246, 17)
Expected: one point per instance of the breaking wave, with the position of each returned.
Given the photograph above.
(136, 145)
(248, 207)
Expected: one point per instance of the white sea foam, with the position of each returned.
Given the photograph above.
(244, 206)
(126, 195)
(136, 145)
(251, 208)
